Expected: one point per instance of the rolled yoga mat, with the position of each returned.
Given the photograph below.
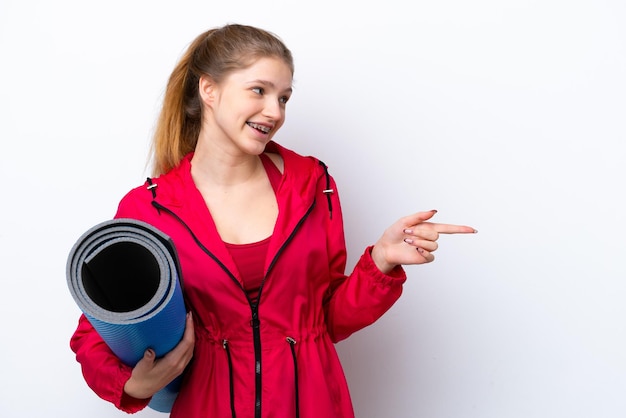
(124, 275)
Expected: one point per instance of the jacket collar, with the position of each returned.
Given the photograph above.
(295, 196)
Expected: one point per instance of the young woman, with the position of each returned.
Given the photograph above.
(259, 232)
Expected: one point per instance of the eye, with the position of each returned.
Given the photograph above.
(258, 90)
(284, 99)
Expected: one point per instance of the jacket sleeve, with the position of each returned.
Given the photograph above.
(102, 370)
(358, 300)
(104, 373)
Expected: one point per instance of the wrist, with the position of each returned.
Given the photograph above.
(131, 389)
(379, 259)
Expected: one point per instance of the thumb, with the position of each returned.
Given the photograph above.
(149, 356)
(419, 217)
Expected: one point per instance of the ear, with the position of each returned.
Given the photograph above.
(206, 87)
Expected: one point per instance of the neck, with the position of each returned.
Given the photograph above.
(219, 167)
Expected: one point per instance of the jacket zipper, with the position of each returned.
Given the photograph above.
(254, 307)
(256, 330)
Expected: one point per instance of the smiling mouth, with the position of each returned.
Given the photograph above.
(262, 128)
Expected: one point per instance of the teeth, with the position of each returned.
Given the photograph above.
(262, 128)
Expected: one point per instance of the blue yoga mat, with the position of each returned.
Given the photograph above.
(124, 275)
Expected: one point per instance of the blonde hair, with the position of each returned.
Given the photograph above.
(215, 53)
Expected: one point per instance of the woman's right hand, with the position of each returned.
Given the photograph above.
(150, 375)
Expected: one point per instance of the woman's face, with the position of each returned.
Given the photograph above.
(248, 107)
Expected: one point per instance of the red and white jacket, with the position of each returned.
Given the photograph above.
(276, 359)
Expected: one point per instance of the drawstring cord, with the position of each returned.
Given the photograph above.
(152, 187)
(292, 345)
(230, 376)
(328, 190)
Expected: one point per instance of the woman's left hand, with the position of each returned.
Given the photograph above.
(412, 240)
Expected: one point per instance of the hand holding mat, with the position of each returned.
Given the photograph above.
(124, 275)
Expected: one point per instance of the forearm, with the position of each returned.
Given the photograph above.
(103, 372)
(363, 297)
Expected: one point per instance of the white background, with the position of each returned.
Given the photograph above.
(508, 116)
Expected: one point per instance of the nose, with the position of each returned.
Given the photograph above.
(274, 109)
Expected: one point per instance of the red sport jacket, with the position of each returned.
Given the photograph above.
(277, 358)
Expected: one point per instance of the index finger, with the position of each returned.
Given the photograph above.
(453, 229)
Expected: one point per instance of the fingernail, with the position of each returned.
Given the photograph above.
(420, 251)
(408, 231)
(476, 231)
(408, 240)
(433, 210)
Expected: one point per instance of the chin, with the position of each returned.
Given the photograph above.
(255, 147)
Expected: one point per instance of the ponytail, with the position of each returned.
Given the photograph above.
(178, 124)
